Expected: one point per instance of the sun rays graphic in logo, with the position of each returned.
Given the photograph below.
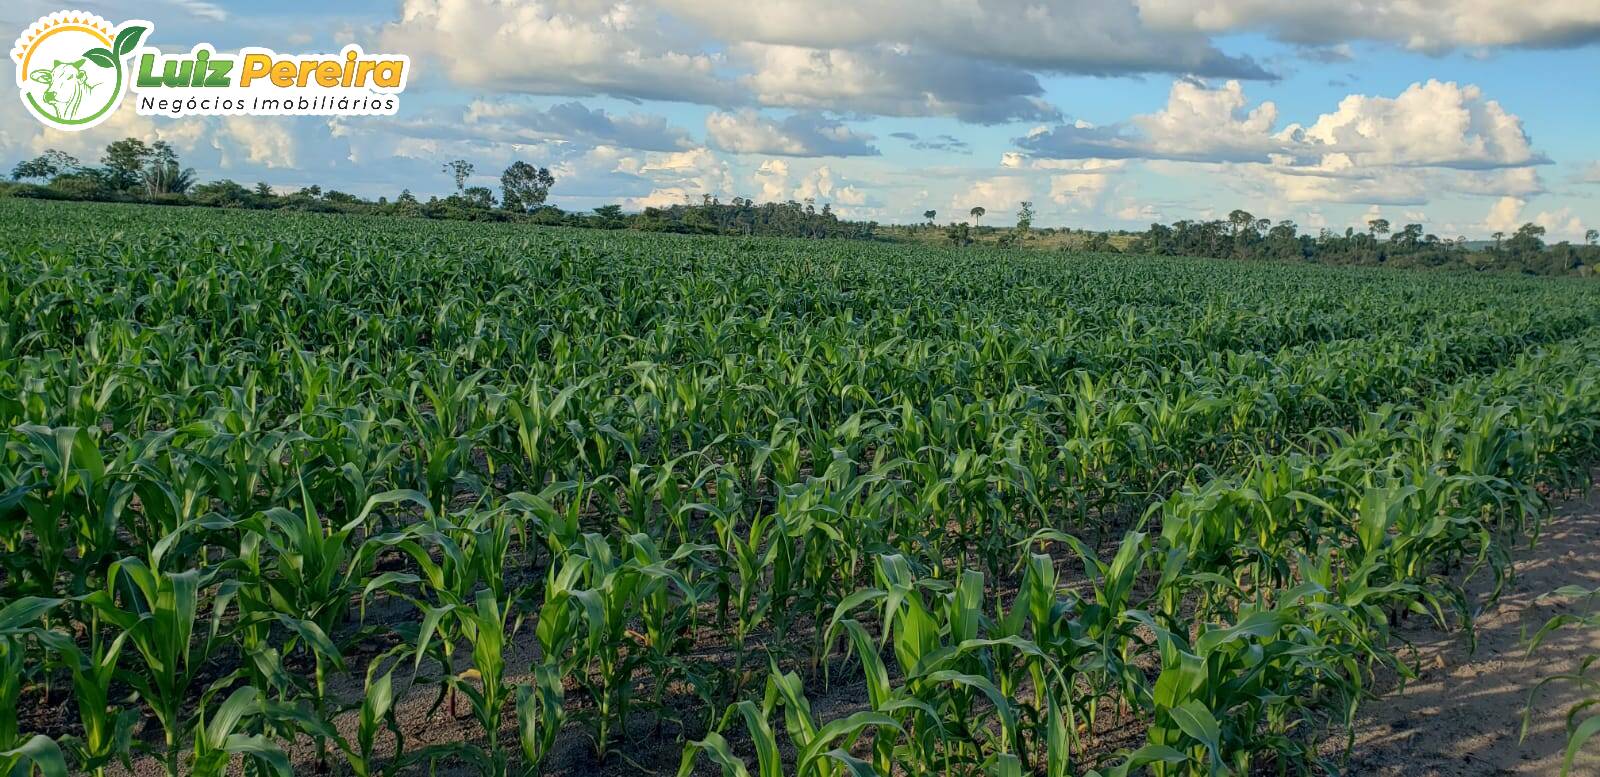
(72, 67)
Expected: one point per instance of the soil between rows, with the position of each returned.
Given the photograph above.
(1463, 716)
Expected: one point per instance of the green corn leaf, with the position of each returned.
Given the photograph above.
(766, 743)
(1195, 720)
(851, 726)
(431, 618)
(1005, 765)
(1577, 739)
(966, 607)
(1255, 625)
(24, 611)
(42, 752)
(239, 704)
(855, 766)
(261, 750)
(314, 637)
(717, 747)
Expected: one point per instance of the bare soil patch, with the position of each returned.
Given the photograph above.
(1463, 716)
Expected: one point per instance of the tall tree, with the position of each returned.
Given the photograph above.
(45, 166)
(1409, 236)
(977, 214)
(1528, 241)
(1239, 220)
(459, 171)
(610, 216)
(523, 187)
(478, 196)
(1024, 220)
(162, 174)
(124, 162)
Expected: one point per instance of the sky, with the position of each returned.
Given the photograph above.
(1467, 116)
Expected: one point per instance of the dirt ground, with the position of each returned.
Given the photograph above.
(1463, 716)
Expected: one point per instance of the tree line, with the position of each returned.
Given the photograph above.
(744, 216)
(1243, 236)
(131, 170)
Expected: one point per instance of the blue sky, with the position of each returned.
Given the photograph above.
(1468, 116)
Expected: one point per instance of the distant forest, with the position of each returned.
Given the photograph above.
(134, 171)
(1243, 236)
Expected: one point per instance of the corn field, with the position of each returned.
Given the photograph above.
(621, 501)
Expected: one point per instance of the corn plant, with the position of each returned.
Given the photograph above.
(949, 666)
(20, 754)
(218, 738)
(377, 710)
(589, 604)
(159, 612)
(823, 748)
(541, 709)
(107, 729)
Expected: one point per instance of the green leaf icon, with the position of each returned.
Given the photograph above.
(127, 40)
(100, 57)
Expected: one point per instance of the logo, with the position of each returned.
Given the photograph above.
(73, 69)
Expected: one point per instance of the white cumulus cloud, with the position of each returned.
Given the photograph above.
(1432, 26)
(749, 132)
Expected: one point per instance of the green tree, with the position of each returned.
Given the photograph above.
(977, 214)
(610, 217)
(162, 174)
(523, 187)
(1409, 236)
(406, 204)
(222, 194)
(1527, 242)
(45, 166)
(1024, 221)
(87, 184)
(478, 197)
(459, 171)
(1240, 220)
(124, 161)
